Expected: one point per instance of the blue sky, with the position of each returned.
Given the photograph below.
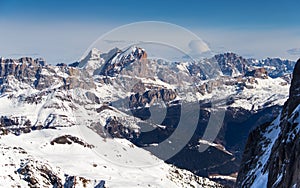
(62, 30)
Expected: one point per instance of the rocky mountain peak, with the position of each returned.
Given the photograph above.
(93, 55)
(116, 62)
(231, 64)
(16, 74)
(23, 61)
(23, 69)
(139, 52)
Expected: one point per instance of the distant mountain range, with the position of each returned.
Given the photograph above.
(114, 97)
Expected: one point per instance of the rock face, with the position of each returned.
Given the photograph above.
(32, 173)
(231, 64)
(120, 59)
(37, 74)
(21, 71)
(151, 96)
(117, 130)
(15, 125)
(258, 73)
(294, 97)
(272, 154)
(69, 139)
(275, 67)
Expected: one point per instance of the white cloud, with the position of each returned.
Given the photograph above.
(294, 51)
(198, 47)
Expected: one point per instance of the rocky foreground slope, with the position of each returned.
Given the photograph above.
(271, 157)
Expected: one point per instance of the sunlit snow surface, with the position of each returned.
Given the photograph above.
(74, 159)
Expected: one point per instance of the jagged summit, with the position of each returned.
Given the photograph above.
(93, 55)
(120, 59)
(111, 62)
(23, 60)
(227, 64)
(232, 64)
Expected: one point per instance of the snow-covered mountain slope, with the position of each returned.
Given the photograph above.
(49, 157)
(111, 96)
(271, 157)
(42, 107)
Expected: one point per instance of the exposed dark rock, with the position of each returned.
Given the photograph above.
(150, 97)
(15, 125)
(113, 67)
(285, 156)
(91, 96)
(258, 73)
(118, 130)
(75, 64)
(30, 71)
(73, 181)
(283, 162)
(101, 184)
(69, 139)
(230, 62)
(30, 171)
(104, 107)
(274, 66)
(61, 65)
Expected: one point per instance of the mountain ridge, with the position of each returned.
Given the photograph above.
(113, 94)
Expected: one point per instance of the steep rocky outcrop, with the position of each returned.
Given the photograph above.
(118, 130)
(272, 157)
(37, 74)
(151, 96)
(231, 64)
(275, 67)
(69, 139)
(117, 61)
(258, 73)
(15, 125)
(34, 171)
